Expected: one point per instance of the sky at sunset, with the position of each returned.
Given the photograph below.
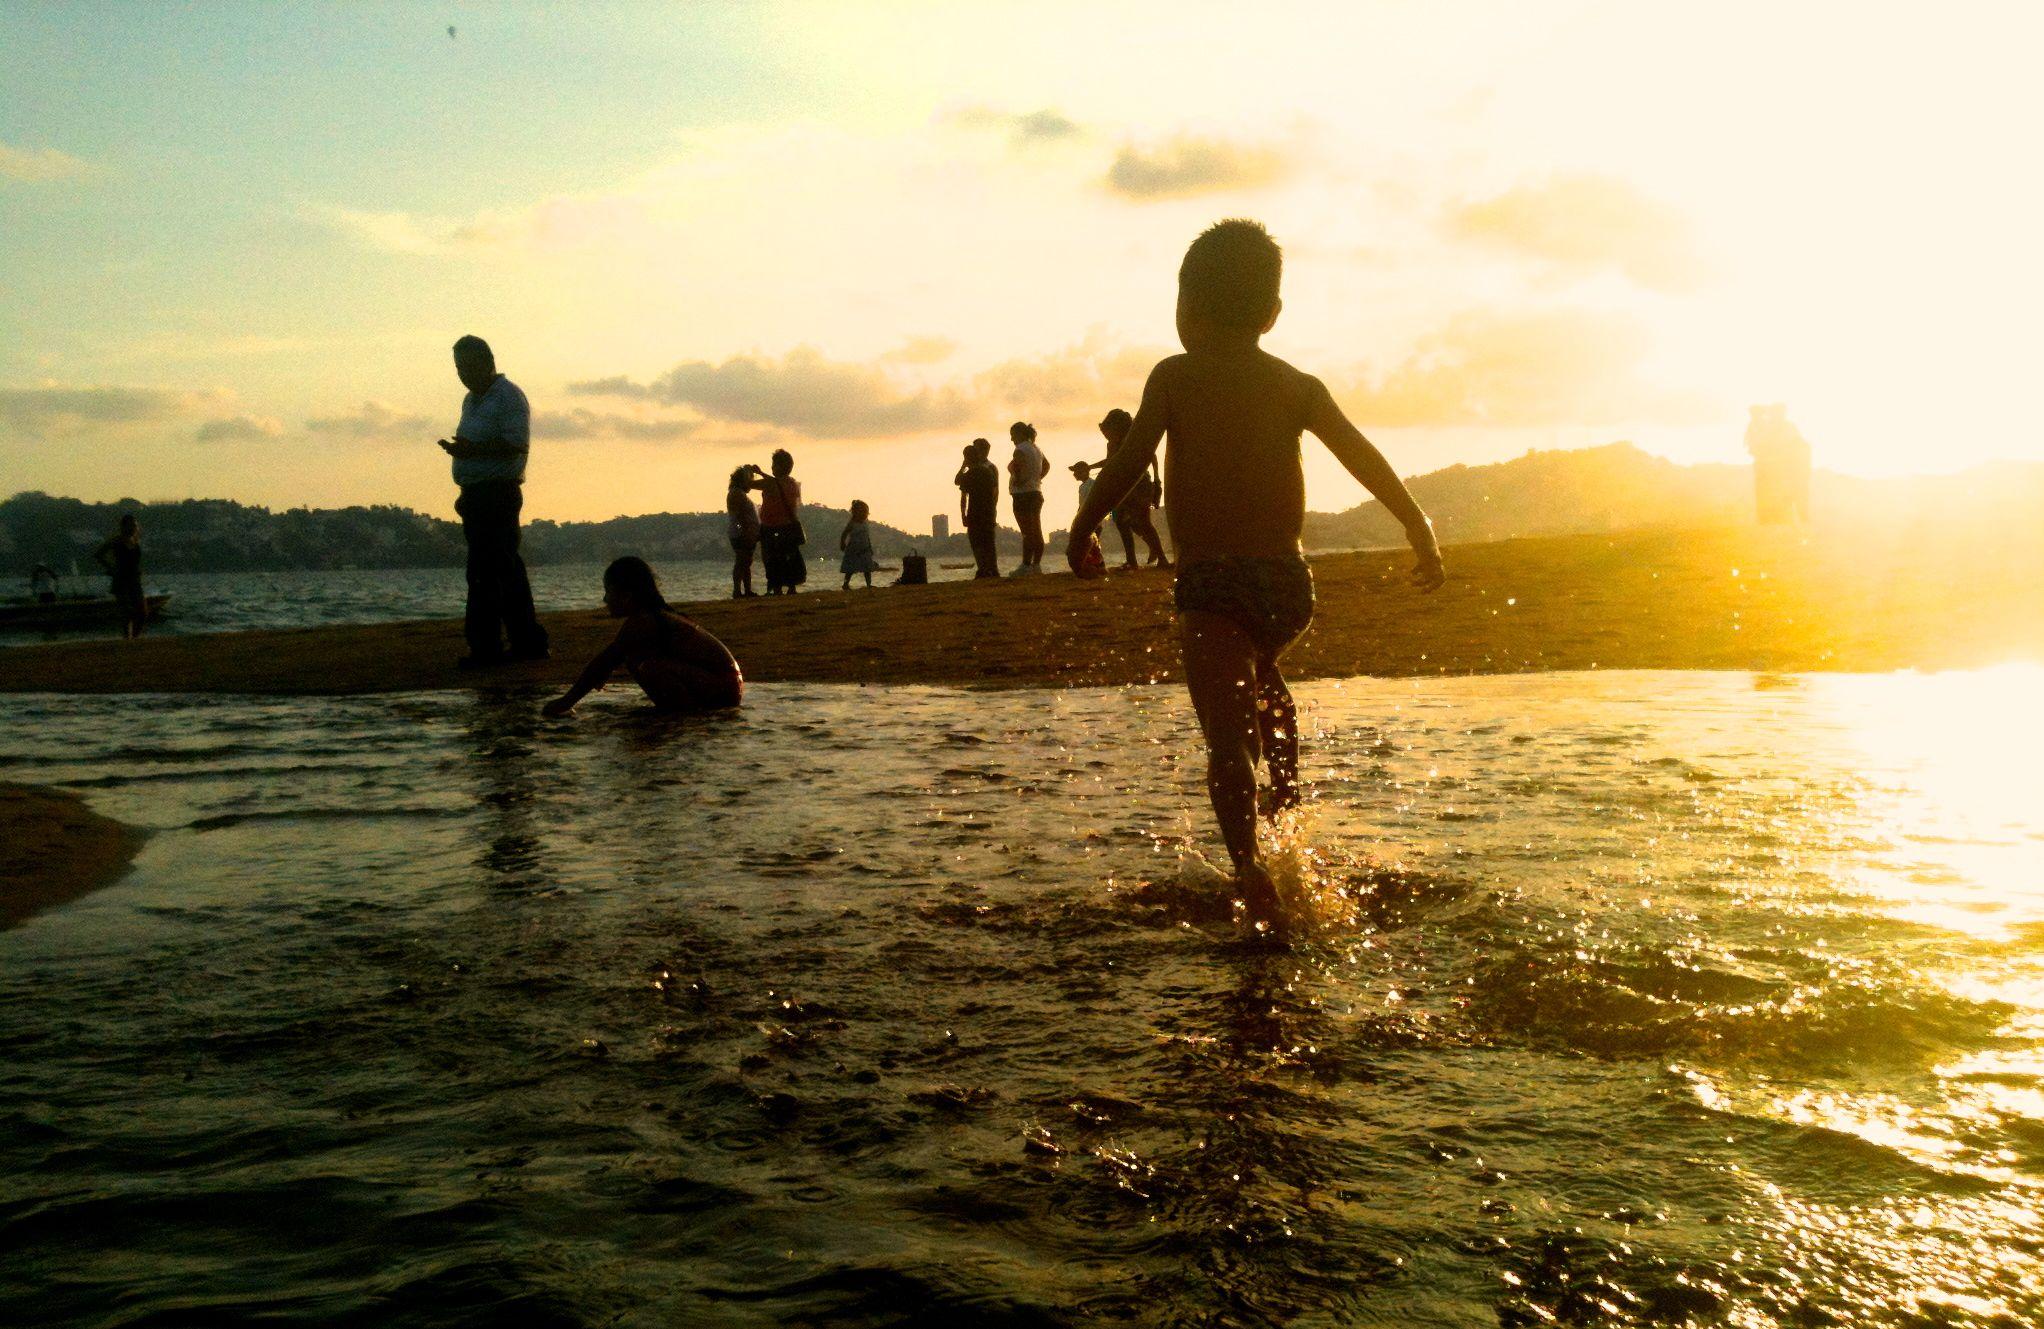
(236, 241)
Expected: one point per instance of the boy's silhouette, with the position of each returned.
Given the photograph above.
(1237, 492)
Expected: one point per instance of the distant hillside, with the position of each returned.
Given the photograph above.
(1618, 486)
(1542, 493)
(215, 535)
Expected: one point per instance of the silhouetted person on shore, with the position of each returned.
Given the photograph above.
(489, 450)
(121, 555)
(679, 665)
(1027, 468)
(1234, 413)
(42, 584)
(1133, 516)
(979, 498)
(1781, 467)
(781, 536)
(743, 523)
(855, 544)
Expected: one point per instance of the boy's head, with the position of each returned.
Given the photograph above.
(978, 449)
(783, 461)
(1229, 279)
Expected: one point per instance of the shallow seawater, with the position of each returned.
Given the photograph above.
(1637, 998)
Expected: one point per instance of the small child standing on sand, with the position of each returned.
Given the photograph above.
(679, 665)
(1237, 491)
(856, 542)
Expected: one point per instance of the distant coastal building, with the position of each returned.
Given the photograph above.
(1781, 467)
(940, 526)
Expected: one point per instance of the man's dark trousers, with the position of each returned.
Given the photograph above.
(499, 596)
(981, 536)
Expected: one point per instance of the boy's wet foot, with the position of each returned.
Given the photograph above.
(1266, 914)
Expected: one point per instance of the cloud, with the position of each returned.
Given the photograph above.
(1585, 223)
(1044, 126)
(921, 351)
(239, 429)
(36, 165)
(374, 422)
(1188, 164)
(581, 423)
(1075, 385)
(66, 411)
(1530, 369)
(804, 393)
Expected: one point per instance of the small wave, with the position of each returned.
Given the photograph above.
(225, 820)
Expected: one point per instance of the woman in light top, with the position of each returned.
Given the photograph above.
(680, 666)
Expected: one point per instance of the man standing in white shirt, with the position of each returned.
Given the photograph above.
(489, 451)
(1026, 470)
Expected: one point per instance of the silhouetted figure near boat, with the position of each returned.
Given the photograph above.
(979, 499)
(1238, 503)
(1781, 467)
(780, 524)
(42, 584)
(1027, 468)
(744, 531)
(1133, 516)
(489, 450)
(855, 545)
(121, 555)
(678, 664)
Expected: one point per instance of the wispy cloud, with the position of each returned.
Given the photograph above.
(1542, 368)
(239, 429)
(581, 423)
(803, 392)
(61, 411)
(374, 422)
(1074, 385)
(1190, 164)
(921, 351)
(1585, 223)
(36, 165)
(1022, 129)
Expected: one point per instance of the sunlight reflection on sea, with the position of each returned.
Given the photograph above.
(1638, 998)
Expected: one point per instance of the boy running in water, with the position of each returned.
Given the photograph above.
(1237, 493)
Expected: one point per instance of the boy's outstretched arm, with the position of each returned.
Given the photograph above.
(1360, 458)
(1123, 467)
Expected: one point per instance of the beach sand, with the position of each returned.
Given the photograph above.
(54, 849)
(1722, 598)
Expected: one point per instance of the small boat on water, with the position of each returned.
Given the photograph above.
(24, 613)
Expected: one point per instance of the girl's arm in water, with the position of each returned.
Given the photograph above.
(593, 677)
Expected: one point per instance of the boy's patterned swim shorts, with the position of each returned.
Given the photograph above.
(1271, 599)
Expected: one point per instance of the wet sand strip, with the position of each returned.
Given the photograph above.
(54, 849)
(1714, 598)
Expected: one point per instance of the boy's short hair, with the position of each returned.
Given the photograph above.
(1118, 418)
(1230, 274)
(783, 460)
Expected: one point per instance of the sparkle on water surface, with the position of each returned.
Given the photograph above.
(1631, 998)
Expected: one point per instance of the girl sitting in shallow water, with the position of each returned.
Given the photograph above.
(680, 666)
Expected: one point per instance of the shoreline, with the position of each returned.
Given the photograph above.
(54, 849)
(1714, 598)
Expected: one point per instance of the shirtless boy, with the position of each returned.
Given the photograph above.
(1237, 493)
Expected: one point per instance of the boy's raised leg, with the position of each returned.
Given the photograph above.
(1277, 719)
(1221, 673)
